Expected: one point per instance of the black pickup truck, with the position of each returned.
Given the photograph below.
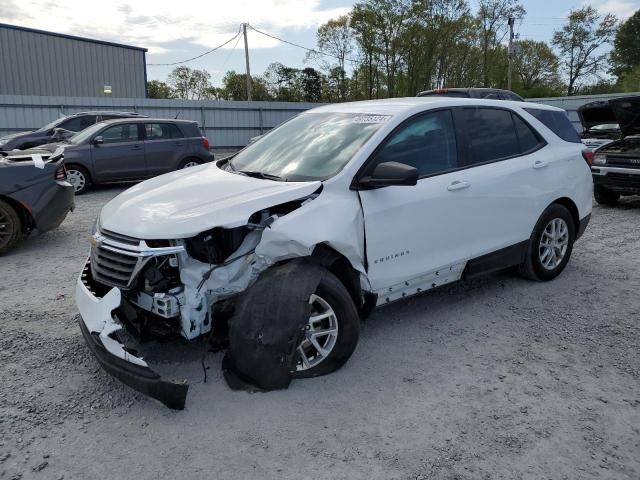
(616, 165)
(34, 194)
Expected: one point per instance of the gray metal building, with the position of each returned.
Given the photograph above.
(36, 62)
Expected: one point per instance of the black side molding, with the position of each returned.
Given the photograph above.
(140, 378)
(498, 260)
(582, 226)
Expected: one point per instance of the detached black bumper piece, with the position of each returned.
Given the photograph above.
(142, 379)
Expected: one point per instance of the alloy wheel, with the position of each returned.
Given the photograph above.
(321, 334)
(553, 243)
(7, 228)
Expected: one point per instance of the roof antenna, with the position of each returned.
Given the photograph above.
(177, 115)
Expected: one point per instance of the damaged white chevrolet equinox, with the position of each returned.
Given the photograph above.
(281, 249)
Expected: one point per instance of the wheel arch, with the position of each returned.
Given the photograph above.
(340, 266)
(89, 171)
(573, 209)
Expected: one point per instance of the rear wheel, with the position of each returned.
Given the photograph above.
(10, 227)
(79, 178)
(190, 162)
(550, 244)
(604, 196)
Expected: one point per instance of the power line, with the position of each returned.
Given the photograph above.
(196, 57)
(224, 64)
(298, 45)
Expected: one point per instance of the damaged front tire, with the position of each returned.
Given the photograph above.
(298, 320)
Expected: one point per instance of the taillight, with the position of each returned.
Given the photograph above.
(61, 172)
(205, 142)
(588, 156)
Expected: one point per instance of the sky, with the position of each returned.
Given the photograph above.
(174, 34)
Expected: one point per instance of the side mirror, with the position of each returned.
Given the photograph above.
(387, 174)
(98, 140)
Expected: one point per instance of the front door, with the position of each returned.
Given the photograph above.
(120, 156)
(417, 237)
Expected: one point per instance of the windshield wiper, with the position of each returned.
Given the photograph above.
(265, 176)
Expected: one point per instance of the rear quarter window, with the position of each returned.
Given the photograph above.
(557, 122)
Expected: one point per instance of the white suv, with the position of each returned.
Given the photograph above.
(283, 247)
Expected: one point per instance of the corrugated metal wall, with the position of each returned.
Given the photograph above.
(38, 63)
(226, 124)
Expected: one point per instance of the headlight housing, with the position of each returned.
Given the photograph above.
(599, 159)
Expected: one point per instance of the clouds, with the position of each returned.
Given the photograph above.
(622, 9)
(161, 24)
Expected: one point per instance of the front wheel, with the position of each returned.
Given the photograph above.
(331, 333)
(604, 196)
(550, 244)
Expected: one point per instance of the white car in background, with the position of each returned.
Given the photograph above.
(341, 209)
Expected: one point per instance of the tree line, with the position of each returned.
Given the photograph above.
(392, 48)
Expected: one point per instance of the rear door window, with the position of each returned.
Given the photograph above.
(490, 134)
(162, 131)
(556, 121)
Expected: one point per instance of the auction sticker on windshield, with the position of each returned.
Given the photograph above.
(371, 118)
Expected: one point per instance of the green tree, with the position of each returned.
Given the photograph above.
(492, 18)
(283, 82)
(626, 47)
(579, 42)
(158, 89)
(311, 84)
(336, 38)
(235, 87)
(189, 84)
(535, 64)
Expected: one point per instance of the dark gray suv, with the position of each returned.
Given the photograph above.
(132, 149)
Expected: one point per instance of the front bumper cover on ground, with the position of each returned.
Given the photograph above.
(98, 325)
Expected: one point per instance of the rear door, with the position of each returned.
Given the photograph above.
(121, 155)
(417, 236)
(508, 172)
(165, 147)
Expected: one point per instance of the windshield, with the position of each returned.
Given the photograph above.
(311, 146)
(86, 133)
(53, 124)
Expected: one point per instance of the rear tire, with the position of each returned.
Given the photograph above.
(78, 177)
(604, 196)
(10, 227)
(550, 244)
(190, 162)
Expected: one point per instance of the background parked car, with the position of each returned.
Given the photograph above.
(616, 165)
(488, 93)
(599, 124)
(131, 149)
(34, 194)
(59, 129)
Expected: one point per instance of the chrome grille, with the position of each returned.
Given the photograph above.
(116, 259)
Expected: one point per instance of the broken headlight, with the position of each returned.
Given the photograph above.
(216, 245)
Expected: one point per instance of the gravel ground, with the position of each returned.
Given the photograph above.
(495, 378)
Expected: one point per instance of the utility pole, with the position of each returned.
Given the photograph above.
(510, 53)
(246, 56)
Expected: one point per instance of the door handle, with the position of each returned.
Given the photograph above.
(540, 164)
(458, 185)
(179, 144)
(136, 147)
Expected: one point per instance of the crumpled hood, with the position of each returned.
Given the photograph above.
(187, 202)
(596, 113)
